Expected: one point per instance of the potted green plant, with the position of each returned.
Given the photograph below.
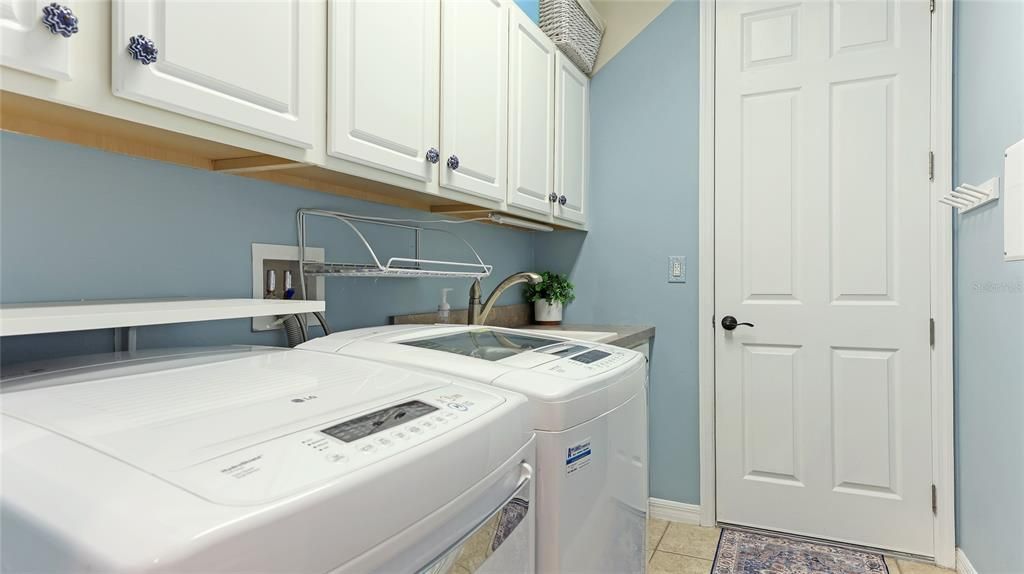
(549, 297)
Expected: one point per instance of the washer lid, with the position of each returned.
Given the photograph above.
(483, 343)
(568, 382)
(164, 416)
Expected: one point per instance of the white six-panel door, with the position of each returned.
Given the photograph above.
(26, 44)
(823, 407)
(572, 134)
(474, 96)
(383, 85)
(246, 64)
(531, 115)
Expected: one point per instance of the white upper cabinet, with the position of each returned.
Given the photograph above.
(467, 101)
(384, 70)
(531, 115)
(572, 102)
(36, 37)
(474, 96)
(247, 65)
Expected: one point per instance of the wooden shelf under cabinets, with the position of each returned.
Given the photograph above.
(49, 120)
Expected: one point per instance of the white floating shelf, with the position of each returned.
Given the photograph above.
(34, 318)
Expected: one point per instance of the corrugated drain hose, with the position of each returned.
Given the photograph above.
(294, 330)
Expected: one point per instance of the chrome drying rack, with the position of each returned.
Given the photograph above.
(396, 267)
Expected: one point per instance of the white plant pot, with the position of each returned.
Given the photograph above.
(547, 313)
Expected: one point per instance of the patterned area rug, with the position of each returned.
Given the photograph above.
(741, 552)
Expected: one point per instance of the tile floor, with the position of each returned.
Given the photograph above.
(675, 548)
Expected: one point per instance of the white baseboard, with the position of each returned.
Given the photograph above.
(674, 511)
(963, 565)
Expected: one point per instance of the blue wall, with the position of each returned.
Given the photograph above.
(643, 208)
(989, 116)
(531, 7)
(77, 223)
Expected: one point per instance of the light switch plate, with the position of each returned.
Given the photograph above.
(676, 269)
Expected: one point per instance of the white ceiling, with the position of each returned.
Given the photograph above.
(624, 19)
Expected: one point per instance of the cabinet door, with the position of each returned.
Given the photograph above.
(27, 44)
(383, 88)
(531, 115)
(251, 66)
(572, 118)
(474, 96)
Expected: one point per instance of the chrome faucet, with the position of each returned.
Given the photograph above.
(478, 313)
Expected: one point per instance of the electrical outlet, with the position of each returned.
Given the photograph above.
(676, 269)
(271, 264)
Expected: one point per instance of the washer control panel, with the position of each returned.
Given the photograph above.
(295, 461)
(579, 361)
(379, 421)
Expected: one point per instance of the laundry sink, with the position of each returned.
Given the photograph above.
(592, 336)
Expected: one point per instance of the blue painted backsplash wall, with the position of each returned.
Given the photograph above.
(77, 223)
(989, 116)
(642, 207)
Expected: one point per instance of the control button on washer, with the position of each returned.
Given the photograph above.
(335, 457)
(367, 448)
(457, 407)
(427, 424)
(416, 430)
(384, 442)
(400, 435)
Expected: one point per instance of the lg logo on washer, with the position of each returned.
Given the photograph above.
(304, 398)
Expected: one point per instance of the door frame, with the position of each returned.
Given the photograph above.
(941, 242)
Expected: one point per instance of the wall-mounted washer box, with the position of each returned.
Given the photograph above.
(1013, 202)
(281, 259)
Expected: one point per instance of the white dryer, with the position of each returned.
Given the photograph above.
(589, 409)
(263, 460)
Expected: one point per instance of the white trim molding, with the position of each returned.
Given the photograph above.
(673, 511)
(706, 277)
(963, 565)
(943, 429)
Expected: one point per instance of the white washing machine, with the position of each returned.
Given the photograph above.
(263, 460)
(589, 409)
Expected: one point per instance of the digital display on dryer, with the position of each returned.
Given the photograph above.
(591, 357)
(377, 421)
(564, 350)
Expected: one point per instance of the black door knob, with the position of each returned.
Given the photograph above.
(729, 323)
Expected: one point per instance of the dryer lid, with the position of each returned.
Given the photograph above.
(168, 415)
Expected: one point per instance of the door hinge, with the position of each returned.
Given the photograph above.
(931, 166)
(931, 332)
(935, 500)
(931, 6)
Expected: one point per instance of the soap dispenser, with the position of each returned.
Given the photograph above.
(444, 310)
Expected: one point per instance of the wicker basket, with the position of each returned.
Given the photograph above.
(575, 27)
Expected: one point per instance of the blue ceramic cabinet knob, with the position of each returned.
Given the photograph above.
(433, 156)
(453, 162)
(60, 20)
(142, 49)
(562, 200)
